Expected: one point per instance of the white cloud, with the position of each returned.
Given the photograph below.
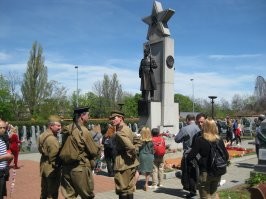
(241, 56)
(207, 84)
(4, 56)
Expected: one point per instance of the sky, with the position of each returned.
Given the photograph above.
(220, 44)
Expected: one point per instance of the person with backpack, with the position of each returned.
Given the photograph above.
(212, 157)
(158, 162)
(77, 156)
(48, 146)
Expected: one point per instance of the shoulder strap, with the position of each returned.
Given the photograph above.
(70, 133)
(95, 135)
(40, 147)
(46, 138)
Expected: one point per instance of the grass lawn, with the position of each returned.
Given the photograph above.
(236, 192)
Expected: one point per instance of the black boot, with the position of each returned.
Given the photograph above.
(122, 196)
(130, 196)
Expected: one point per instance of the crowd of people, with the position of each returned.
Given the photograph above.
(69, 166)
(127, 156)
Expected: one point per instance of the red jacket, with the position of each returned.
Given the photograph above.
(14, 142)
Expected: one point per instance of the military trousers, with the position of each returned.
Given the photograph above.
(125, 181)
(77, 181)
(50, 187)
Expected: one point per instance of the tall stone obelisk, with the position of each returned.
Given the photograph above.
(161, 111)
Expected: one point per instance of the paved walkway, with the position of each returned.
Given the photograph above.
(27, 180)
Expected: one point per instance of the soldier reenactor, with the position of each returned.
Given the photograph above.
(48, 146)
(77, 156)
(125, 159)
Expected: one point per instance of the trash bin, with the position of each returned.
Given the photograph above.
(258, 191)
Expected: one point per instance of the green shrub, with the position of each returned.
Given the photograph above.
(256, 178)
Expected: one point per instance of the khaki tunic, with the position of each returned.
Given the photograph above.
(48, 146)
(77, 179)
(125, 160)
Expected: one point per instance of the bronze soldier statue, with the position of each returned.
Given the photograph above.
(146, 74)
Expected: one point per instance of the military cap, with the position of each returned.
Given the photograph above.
(81, 110)
(54, 118)
(261, 117)
(116, 113)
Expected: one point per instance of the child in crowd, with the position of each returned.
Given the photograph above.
(158, 163)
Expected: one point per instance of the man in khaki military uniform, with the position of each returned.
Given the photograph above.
(77, 177)
(125, 160)
(48, 146)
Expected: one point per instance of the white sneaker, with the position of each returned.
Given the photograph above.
(153, 187)
(160, 185)
(222, 182)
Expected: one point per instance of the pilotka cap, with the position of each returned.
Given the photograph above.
(116, 113)
(54, 118)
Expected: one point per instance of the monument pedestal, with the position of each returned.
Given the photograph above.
(152, 116)
(261, 166)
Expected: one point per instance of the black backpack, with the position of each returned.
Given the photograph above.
(108, 142)
(217, 160)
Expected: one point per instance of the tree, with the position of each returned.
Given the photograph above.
(5, 99)
(56, 101)
(130, 107)
(14, 82)
(237, 103)
(185, 104)
(91, 100)
(35, 87)
(109, 92)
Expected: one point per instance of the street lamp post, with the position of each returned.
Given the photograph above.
(212, 98)
(77, 102)
(192, 80)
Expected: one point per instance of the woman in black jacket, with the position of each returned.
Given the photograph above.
(208, 183)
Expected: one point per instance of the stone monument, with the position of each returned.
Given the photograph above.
(159, 110)
(261, 166)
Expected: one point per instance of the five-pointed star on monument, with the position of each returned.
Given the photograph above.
(158, 21)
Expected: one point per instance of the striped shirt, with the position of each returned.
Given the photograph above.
(3, 164)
